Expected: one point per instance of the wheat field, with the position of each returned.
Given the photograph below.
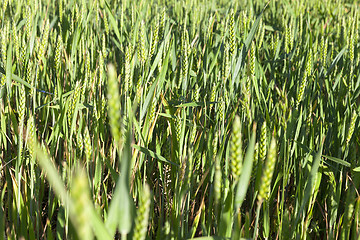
(189, 119)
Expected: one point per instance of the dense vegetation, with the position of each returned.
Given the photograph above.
(179, 119)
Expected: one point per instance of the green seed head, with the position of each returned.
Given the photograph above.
(232, 32)
(217, 182)
(236, 149)
(301, 90)
(74, 102)
(81, 197)
(287, 39)
(268, 172)
(263, 142)
(185, 54)
(104, 45)
(252, 60)
(106, 23)
(101, 67)
(162, 24)
(80, 141)
(60, 2)
(215, 145)
(155, 38)
(22, 104)
(324, 54)
(28, 71)
(142, 42)
(261, 34)
(153, 110)
(44, 41)
(96, 11)
(209, 30)
(127, 69)
(16, 42)
(196, 95)
(114, 107)
(5, 3)
(23, 53)
(58, 55)
(213, 92)
(142, 216)
(309, 64)
(351, 127)
(226, 63)
(351, 47)
(4, 40)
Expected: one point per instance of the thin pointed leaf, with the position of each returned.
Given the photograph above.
(153, 154)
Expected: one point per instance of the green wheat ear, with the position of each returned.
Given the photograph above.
(127, 69)
(236, 149)
(60, 2)
(288, 41)
(82, 205)
(351, 127)
(142, 47)
(232, 32)
(101, 67)
(73, 103)
(44, 41)
(193, 132)
(21, 110)
(261, 34)
(196, 93)
(142, 218)
(155, 37)
(217, 182)
(268, 172)
(185, 54)
(58, 55)
(162, 24)
(4, 41)
(252, 60)
(263, 143)
(114, 107)
(29, 22)
(226, 63)
(16, 42)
